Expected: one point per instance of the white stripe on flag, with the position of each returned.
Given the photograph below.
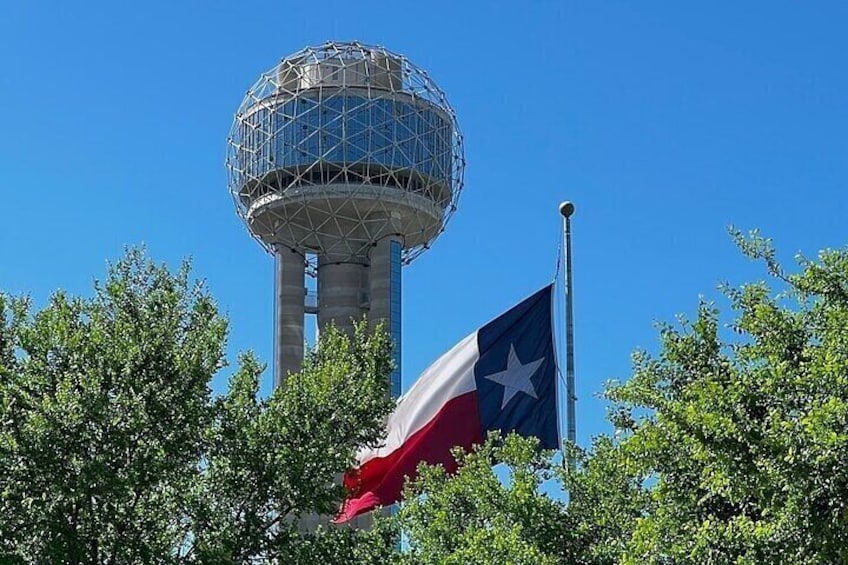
(450, 376)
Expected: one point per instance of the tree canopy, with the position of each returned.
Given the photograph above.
(114, 450)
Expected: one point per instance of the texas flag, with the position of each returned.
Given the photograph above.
(501, 377)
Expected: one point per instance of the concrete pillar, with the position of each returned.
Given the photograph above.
(289, 299)
(340, 293)
(385, 294)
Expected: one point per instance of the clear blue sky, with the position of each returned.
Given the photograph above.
(664, 122)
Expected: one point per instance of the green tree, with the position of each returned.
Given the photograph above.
(493, 510)
(745, 428)
(272, 461)
(606, 496)
(114, 450)
(104, 403)
(473, 517)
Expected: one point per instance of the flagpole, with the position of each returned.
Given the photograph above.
(566, 209)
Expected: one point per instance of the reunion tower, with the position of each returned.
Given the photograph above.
(345, 161)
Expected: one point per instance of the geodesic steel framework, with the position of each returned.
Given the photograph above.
(341, 145)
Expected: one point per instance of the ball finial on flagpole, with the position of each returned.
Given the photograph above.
(566, 209)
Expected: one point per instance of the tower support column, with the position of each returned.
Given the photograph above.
(385, 294)
(289, 297)
(340, 293)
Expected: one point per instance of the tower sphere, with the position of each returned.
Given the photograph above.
(341, 145)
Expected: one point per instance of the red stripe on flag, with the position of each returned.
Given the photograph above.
(379, 482)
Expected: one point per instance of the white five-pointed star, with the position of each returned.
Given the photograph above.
(516, 377)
